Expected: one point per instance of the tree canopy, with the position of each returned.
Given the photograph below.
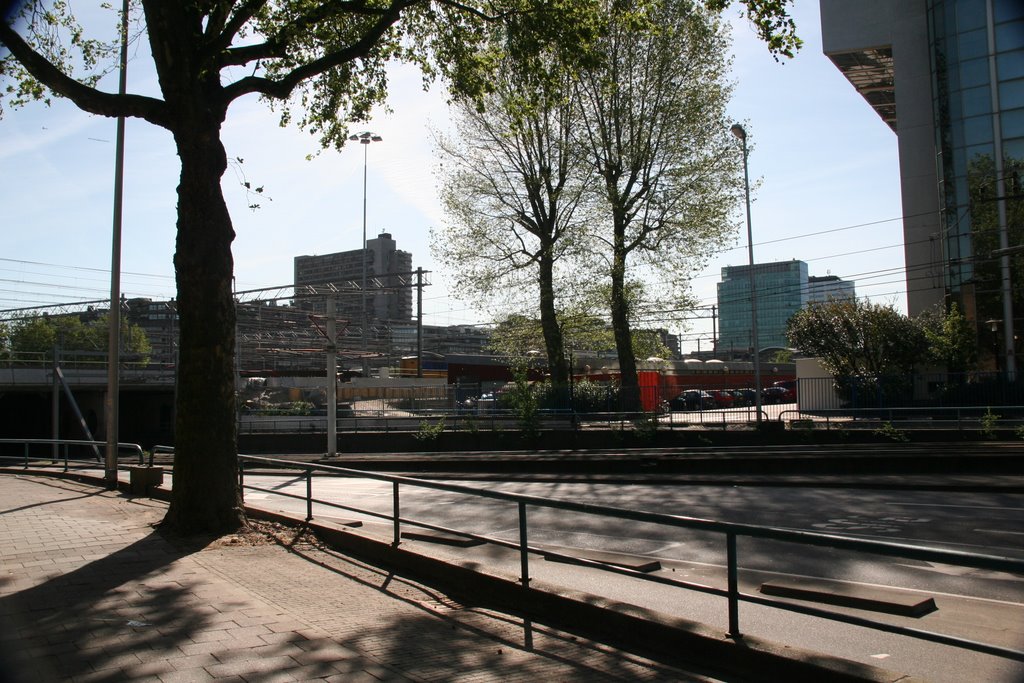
(654, 128)
(622, 167)
(858, 338)
(70, 333)
(513, 187)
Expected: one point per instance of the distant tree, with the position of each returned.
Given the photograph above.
(70, 333)
(853, 338)
(654, 129)
(867, 347)
(952, 341)
(511, 186)
(583, 333)
(33, 335)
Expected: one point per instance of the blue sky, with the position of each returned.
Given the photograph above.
(824, 162)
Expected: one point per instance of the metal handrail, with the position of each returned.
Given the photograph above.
(66, 443)
(731, 530)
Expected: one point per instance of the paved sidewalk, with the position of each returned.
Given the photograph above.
(90, 592)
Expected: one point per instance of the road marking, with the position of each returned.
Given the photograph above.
(998, 531)
(965, 507)
(950, 570)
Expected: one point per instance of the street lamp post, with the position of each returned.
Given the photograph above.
(738, 131)
(112, 405)
(364, 138)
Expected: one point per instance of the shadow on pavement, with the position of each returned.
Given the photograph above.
(106, 615)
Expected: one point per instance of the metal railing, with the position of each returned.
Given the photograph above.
(58, 446)
(982, 418)
(730, 531)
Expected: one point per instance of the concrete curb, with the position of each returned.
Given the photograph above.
(888, 601)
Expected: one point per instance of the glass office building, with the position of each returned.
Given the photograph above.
(978, 91)
(781, 291)
(948, 77)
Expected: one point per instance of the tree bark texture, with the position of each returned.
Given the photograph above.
(553, 339)
(205, 496)
(629, 383)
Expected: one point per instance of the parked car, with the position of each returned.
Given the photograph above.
(692, 399)
(723, 399)
(749, 396)
(777, 395)
(739, 399)
(790, 385)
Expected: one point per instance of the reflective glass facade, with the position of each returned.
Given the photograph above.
(781, 292)
(978, 91)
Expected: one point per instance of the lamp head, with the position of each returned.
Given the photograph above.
(365, 138)
(738, 131)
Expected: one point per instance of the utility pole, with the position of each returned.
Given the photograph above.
(419, 322)
(332, 376)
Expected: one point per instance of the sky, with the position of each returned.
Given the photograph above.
(823, 165)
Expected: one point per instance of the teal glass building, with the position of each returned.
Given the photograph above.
(782, 290)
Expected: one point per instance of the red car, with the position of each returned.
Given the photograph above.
(723, 399)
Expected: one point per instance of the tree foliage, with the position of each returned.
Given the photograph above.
(655, 132)
(637, 131)
(584, 334)
(70, 333)
(951, 338)
(512, 186)
(858, 338)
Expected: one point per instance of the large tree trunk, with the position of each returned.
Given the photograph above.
(553, 340)
(628, 381)
(205, 497)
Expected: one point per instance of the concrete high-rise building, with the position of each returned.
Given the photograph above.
(948, 77)
(389, 281)
(781, 291)
(829, 288)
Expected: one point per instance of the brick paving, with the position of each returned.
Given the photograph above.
(89, 591)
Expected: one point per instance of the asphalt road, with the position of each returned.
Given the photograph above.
(989, 523)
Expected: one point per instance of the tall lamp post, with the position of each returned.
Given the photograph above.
(738, 131)
(364, 139)
(112, 404)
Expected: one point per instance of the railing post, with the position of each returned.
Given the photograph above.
(524, 555)
(66, 447)
(241, 477)
(524, 573)
(396, 512)
(309, 493)
(734, 590)
(26, 455)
